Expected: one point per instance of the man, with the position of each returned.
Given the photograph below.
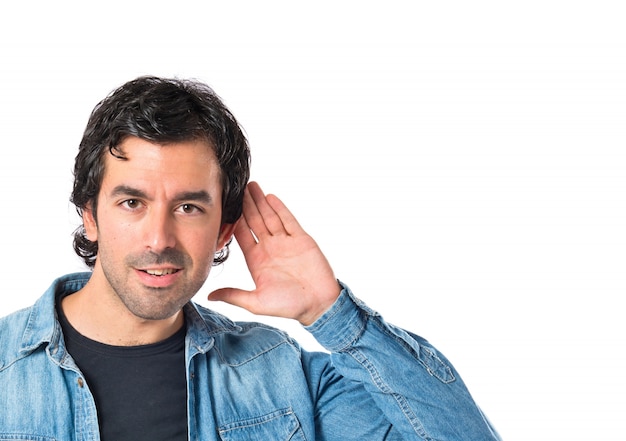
(121, 352)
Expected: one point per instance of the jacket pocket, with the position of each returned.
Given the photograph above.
(281, 425)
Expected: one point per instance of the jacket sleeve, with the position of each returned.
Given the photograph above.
(413, 385)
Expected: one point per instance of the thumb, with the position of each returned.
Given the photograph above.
(233, 296)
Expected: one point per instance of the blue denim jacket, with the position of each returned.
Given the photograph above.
(250, 381)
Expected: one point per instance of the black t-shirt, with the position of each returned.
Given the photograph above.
(140, 391)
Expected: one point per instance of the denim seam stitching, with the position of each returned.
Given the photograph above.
(385, 389)
(431, 354)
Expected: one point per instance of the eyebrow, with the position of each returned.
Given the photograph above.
(125, 190)
(194, 196)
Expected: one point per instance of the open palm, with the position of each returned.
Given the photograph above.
(292, 277)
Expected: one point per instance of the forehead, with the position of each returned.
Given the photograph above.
(186, 164)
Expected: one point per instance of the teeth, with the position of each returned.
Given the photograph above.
(160, 272)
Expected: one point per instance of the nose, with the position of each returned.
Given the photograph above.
(159, 230)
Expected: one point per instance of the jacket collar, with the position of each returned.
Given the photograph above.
(42, 323)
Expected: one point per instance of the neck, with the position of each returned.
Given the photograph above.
(109, 322)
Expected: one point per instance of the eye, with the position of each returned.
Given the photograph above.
(131, 204)
(190, 209)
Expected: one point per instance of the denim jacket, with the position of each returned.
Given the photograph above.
(250, 381)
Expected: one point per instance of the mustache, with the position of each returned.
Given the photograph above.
(170, 256)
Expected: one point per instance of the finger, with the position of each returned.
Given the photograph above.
(234, 296)
(271, 219)
(252, 216)
(287, 219)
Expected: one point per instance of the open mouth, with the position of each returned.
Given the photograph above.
(160, 272)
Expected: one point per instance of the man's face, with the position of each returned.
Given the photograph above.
(158, 225)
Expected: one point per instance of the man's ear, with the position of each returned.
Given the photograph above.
(226, 233)
(89, 223)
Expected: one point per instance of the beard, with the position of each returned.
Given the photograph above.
(153, 303)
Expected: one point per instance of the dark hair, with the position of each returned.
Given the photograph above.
(160, 110)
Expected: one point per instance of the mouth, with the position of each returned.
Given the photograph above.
(159, 277)
(160, 272)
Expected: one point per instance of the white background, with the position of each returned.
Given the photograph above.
(462, 165)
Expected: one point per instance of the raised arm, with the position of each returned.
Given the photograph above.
(293, 279)
(399, 374)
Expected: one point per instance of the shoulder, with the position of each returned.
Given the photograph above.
(14, 320)
(23, 331)
(13, 327)
(239, 342)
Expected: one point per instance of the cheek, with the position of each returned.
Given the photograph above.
(120, 237)
(198, 241)
(203, 248)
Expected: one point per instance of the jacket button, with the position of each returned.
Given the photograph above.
(81, 383)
